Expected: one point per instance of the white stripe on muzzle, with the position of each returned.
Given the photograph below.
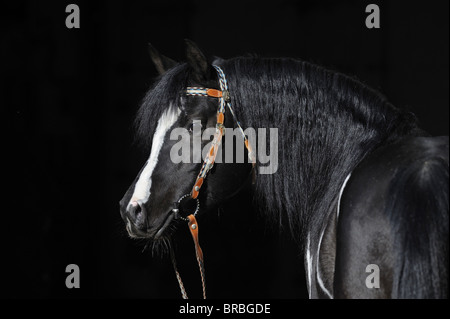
(141, 192)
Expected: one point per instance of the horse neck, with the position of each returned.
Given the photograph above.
(323, 135)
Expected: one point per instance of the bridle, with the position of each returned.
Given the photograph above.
(224, 102)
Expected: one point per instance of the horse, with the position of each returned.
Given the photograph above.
(359, 185)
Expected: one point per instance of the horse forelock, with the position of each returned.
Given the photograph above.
(163, 96)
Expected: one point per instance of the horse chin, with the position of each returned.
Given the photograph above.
(160, 243)
(162, 230)
(133, 232)
(157, 233)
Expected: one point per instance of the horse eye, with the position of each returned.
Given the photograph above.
(197, 125)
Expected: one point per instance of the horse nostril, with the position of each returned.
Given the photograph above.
(136, 213)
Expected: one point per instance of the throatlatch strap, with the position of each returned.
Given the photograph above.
(193, 228)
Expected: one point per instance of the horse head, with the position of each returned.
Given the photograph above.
(160, 196)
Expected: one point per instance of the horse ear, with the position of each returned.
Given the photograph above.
(162, 63)
(197, 60)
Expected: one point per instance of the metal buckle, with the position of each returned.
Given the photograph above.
(226, 96)
(176, 210)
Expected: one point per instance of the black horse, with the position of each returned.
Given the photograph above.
(359, 184)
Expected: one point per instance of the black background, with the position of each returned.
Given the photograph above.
(69, 96)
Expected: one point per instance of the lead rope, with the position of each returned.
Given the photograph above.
(193, 228)
(180, 282)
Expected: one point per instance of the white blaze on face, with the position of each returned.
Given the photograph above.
(141, 192)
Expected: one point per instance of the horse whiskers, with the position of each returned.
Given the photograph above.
(160, 247)
(146, 245)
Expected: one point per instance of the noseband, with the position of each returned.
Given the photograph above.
(224, 102)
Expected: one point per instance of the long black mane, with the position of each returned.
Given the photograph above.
(327, 123)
